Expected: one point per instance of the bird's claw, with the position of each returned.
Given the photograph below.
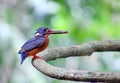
(36, 57)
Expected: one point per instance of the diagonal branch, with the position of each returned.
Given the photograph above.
(80, 50)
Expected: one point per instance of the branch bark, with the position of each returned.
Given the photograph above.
(80, 50)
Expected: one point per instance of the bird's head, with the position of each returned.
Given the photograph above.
(44, 31)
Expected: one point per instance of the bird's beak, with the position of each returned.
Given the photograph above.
(57, 32)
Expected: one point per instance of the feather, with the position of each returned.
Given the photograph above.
(32, 44)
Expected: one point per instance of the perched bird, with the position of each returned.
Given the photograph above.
(38, 43)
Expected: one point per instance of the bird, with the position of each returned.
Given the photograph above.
(38, 43)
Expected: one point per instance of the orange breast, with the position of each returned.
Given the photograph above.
(39, 49)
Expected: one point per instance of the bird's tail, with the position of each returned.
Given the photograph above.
(22, 57)
(21, 51)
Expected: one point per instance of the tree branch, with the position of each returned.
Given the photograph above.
(80, 50)
(75, 75)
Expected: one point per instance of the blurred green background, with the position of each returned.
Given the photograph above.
(86, 21)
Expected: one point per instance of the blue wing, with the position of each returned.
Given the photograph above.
(32, 43)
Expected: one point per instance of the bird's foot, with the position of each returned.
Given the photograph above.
(36, 57)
